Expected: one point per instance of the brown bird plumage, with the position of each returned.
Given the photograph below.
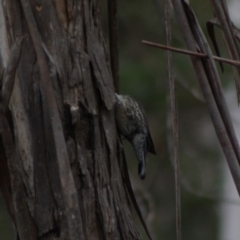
(132, 124)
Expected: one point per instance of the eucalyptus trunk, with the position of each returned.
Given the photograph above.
(60, 161)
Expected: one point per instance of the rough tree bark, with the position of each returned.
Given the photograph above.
(60, 161)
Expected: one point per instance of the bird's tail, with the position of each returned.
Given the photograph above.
(140, 147)
(142, 169)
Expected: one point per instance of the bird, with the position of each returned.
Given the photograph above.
(132, 124)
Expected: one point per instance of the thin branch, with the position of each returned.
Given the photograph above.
(203, 77)
(222, 15)
(174, 118)
(214, 80)
(191, 53)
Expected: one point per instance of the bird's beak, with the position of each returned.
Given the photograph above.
(117, 98)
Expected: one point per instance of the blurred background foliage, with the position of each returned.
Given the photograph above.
(143, 75)
(6, 227)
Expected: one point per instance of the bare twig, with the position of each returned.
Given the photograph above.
(191, 53)
(204, 75)
(222, 15)
(211, 33)
(174, 118)
(214, 80)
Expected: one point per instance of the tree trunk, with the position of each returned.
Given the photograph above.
(60, 161)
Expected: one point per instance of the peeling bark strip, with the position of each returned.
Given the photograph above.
(113, 39)
(59, 137)
(97, 54)
(73, 217)
(10, 72)
(11, 180)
